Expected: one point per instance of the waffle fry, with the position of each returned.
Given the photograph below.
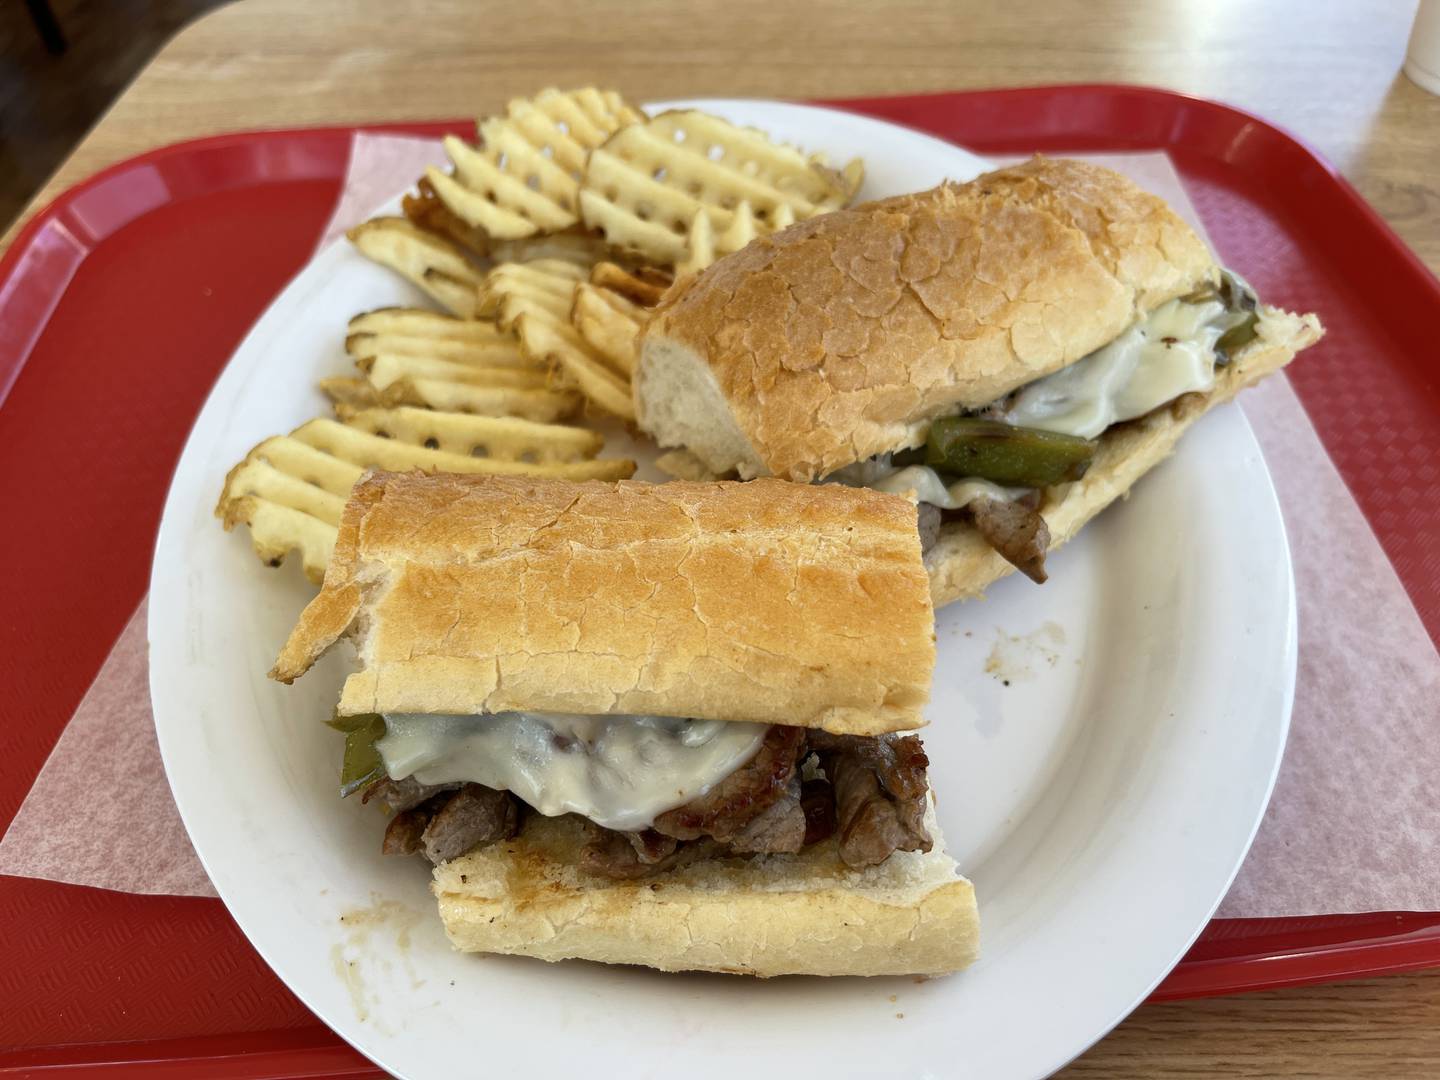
(645, 285)
(524, 177)
(443, 395)
(426, 359)
(535, 299)
(489, 347)
(576, 245)
(430, 333)
(424, 208)
(349, 391)
(387, 368)
(644, 187)
(290, 489)
(504, 437)
(503, 351)
(609, 323)
(612, 308)
(398, 342)
(431, 262)
(703, 246)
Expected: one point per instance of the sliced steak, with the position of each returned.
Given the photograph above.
(817, 801)
(929, 519)
(873, 794)
(650, 846)
(474, 816)
(780, 827)
(403, 794)
(617, 855)
(609, 854)
(402, 835)
(880, 791)
(1016, 531)
(728, 807)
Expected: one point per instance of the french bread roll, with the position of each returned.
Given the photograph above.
(763, 601)
(843, 336)
(804, 914)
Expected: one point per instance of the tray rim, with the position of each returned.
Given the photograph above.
(1354, 958)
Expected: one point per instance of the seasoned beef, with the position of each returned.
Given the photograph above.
(650, 846)
(403, 794)
(817, 802)
(474, 816)
(873, 794)
(780, 827)
(618, 855)
(727, 808)
(402, 835)
(1017, 532)
(880, 791)
(609, 854)
(929, 520)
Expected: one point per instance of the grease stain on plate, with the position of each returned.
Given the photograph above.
(1019, 657)
(363, 969)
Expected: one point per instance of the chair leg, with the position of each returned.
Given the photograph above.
(46, 25)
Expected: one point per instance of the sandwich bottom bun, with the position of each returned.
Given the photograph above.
(962, 565)
(804, 914)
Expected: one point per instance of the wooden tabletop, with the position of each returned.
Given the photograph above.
(1327, 69)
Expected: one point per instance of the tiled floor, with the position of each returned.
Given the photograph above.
(47, 102)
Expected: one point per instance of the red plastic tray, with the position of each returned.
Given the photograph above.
(121, 302)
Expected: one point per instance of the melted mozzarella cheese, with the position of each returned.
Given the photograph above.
(1172, 352)
(923, 484)
(618, 771)
(920, 483)
(1169, 353)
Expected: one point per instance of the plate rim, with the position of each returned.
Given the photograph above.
(176, 526)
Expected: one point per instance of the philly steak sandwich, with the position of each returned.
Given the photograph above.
(1013, 352)
(648, 724)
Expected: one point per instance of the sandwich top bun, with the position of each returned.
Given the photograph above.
(843, 336)
(763, 601)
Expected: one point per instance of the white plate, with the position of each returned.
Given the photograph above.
(1103, 750)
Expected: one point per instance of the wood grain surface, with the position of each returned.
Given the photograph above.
(1327, 69)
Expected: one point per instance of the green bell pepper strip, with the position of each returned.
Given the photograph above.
(1005, 454)
(361, 764)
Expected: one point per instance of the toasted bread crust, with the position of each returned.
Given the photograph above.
(802, 914)
(763, 601)
(843, 336)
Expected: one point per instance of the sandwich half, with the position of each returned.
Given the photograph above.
(1013, 352)
(648, 724)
